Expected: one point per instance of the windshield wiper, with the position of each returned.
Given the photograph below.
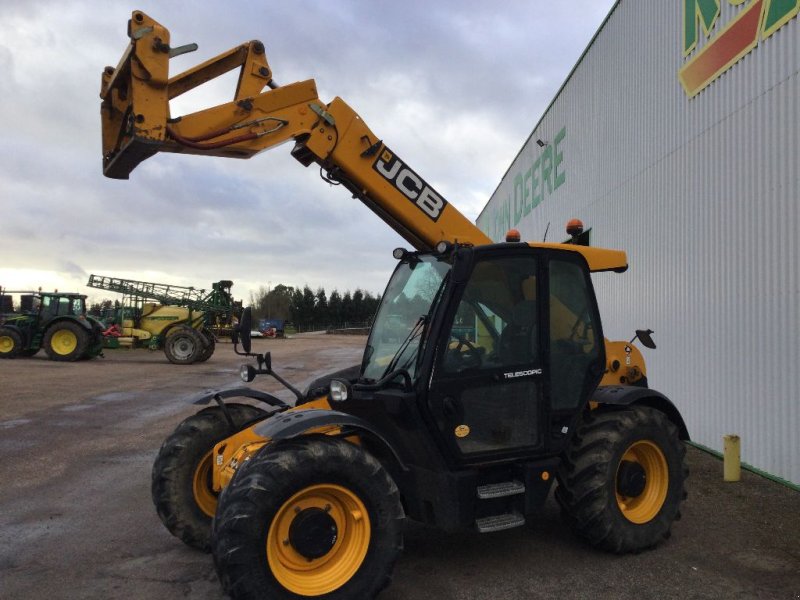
(421, 328)
(415, 332)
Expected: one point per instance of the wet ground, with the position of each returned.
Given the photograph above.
(76, 520)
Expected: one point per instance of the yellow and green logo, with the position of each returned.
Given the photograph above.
(758, 20)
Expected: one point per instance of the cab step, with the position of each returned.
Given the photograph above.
(499, 522)
(500, 490)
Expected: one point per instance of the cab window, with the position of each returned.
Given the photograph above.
(573, 343)
(495, 325)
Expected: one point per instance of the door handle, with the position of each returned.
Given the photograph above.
(450, 407)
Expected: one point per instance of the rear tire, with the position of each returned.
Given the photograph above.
(210, 345)
(10, 343)
(183, 346)
(622, 479)
(311, 517)
(181, 478)
(66, 341)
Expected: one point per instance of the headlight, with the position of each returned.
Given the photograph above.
(339, 391)
(443, 247)
(247, 373)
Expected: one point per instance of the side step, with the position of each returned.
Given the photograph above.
(499, 490)
(499, 522)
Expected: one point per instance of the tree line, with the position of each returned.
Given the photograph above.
(309, 310)
(306, 309)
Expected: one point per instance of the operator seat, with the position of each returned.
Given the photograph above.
(519, 340)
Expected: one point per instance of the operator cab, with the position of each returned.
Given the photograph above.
(57, 305)
(497, 347)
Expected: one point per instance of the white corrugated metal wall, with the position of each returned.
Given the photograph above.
(703, 194)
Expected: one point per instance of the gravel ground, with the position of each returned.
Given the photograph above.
(77, 522)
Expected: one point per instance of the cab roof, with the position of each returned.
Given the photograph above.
(598, 259)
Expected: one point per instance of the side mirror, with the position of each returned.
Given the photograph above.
(646, 339)
(245, 327)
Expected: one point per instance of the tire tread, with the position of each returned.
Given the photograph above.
(587, 499)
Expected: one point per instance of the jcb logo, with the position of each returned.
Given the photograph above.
(411, 185)
(758, 20)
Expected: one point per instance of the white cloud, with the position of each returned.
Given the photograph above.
(454, 89)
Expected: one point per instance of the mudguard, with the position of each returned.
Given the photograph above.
(295, 423)
(12, 325)
(626, 395)
(220, 395)
(85, 323)
(25, 334)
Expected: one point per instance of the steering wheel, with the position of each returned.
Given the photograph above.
(583, 319)
(468, 358)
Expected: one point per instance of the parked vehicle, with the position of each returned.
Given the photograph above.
(55, 321)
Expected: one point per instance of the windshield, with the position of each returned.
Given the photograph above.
(402, 317)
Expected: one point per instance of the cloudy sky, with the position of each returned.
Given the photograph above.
(454, 88)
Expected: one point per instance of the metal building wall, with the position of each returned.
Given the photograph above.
(703, 194)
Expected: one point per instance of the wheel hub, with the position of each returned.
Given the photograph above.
(301, 531)
(64, 342)
(631, 479)
(183, 348)
(313, 533)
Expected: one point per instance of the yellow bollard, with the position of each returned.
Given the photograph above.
(731, 463)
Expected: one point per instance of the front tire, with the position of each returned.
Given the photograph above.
(66, 341)
(10, 343)
(622, 480)
(312, 517)
(181, 479)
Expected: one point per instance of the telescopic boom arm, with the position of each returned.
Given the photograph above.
(137, 123)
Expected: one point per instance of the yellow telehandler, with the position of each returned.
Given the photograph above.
(486, 376)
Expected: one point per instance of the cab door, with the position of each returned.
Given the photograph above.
(521, 351)
(486, 393)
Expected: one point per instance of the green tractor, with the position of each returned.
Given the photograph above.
(54, 321)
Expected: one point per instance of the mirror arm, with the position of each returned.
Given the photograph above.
(264, 362)
(298, 394)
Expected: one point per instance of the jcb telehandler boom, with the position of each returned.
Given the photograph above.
(485, 377)
(137, 123)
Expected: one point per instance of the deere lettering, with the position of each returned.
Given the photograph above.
(758, 20)
(411, 185)
(531, 186)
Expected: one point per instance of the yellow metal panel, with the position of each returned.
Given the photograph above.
(156, 317)
(420, 214)
(139, 334)
(599, 259)
(624, 364)
(288, 104)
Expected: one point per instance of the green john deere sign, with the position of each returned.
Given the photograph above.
(532, 183)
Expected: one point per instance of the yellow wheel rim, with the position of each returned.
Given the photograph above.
(204, 495)
(643, 507)
(64, 342)
(6, 344)
(318, 576)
